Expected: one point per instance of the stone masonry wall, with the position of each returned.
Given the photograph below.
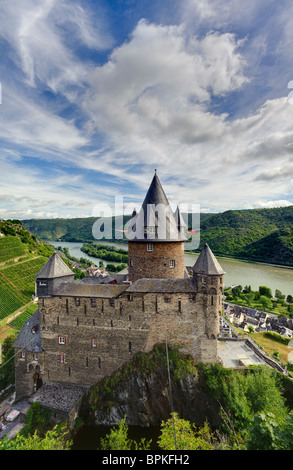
(98, 340)
(156, 263)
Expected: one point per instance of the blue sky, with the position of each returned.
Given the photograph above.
(97, 94)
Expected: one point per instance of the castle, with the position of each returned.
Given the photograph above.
(84, 330)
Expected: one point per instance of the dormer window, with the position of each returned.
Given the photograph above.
(42, 283)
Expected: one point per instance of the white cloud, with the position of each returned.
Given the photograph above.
(271, 204)
(35, 30)
(151, 98)
(156, 102)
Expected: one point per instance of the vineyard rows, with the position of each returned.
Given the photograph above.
(17, 284)
(10, 247)
(19, 321)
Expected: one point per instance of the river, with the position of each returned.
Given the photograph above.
(237, 272)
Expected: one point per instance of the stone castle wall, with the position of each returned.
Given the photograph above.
(143, 263)
(97, 340)
(85, 339)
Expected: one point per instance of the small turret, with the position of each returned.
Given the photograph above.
(208, 278)
(54, 273)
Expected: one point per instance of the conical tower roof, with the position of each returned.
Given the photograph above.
(206, 263)
(55, 267)
(155, 221)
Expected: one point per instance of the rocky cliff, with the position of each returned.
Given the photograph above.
(142, 392)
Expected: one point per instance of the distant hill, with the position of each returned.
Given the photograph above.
(264, 235)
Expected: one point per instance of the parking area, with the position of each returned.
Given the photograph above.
(237, 354)
(11, 428)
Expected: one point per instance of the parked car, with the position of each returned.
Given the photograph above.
(12, 415)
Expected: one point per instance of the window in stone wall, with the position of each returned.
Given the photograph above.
(94, 342)
(93, 302)
(61, 340)
(150, 247)
(129, 347)
(167, 298)
(77, 301)
(61, 359)
(112, 303)
(172, 263)
(130, 297)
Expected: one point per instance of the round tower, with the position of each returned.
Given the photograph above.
(156, 238)
(208, 278)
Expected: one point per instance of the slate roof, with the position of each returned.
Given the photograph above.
(155, 211)
(206, 263)
(57, 396)
(80, 289)
(29, 338)
(163, 286)
(55, 267)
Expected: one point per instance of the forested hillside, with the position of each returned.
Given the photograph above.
(264, 235)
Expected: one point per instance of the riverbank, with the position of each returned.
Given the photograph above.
(243, 260)
(238, 272)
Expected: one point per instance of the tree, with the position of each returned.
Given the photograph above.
(266, 291)
(279, 295)
(263, 434)
(37, 419)
(185, 436)
(265, 301)
(118, 439)
(270, 432)
(7, 367)
(56, 439)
